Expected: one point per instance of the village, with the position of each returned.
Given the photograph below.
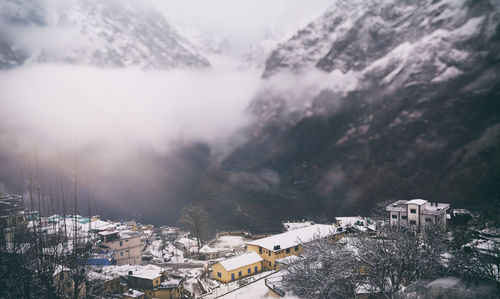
(127, 259)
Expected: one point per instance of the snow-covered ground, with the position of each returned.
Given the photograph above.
(257, 289)
(163, 251)
(226, 244)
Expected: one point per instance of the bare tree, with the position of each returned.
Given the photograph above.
(28, 261)
(324, 270)
(195, 219)
(472, 264)
(384, 264)
(378, 212)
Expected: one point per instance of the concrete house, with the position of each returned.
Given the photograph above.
(237, 267)
(417, 213)
(126, 245)
(274, 248)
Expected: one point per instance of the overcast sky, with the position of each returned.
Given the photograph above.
(242, 23)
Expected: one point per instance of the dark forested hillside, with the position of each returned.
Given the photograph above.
(423, 120)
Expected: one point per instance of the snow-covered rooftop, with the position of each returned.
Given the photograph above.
(101, 225)
(147, 273)
(125, 234)
(208, 249)
(417, 202)
(133, 293)
(295, 237)
(107, 233)
(241, 261)
(112, 272)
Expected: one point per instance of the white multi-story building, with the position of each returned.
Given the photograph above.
(417, 212)
(126, 246)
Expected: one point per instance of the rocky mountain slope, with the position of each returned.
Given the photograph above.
(90, 32)
(408, 106)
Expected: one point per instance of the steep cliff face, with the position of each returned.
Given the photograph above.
(94, 33)
(408, 107)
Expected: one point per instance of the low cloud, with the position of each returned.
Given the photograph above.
(141, 140)
(74, 106)
(136, 136)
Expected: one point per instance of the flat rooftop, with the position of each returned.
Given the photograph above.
(418, 202)
(108, 232)
(148, 273)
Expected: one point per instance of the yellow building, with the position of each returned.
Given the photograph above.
(237, 267)
(170, 288)
(274, 248)
(156, 284)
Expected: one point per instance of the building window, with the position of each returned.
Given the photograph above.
(269, 252)
(269, 263)
(394, 216)
(288, 250)
(249, 270)
(428, 220)
(20, 219)
(239, 274)
(157, 281)
(121, 253)
(413, 222)
(232, 276)
(413, 211)
(403, 217)
(256, 269)
(297, 248)
(260, 250)
(121, 243)
(218, 274)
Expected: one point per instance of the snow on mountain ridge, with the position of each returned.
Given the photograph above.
(352, 35)
(109, 34)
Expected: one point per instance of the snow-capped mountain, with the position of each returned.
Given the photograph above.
(399, 99)
(99, 33)
(379, 37)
